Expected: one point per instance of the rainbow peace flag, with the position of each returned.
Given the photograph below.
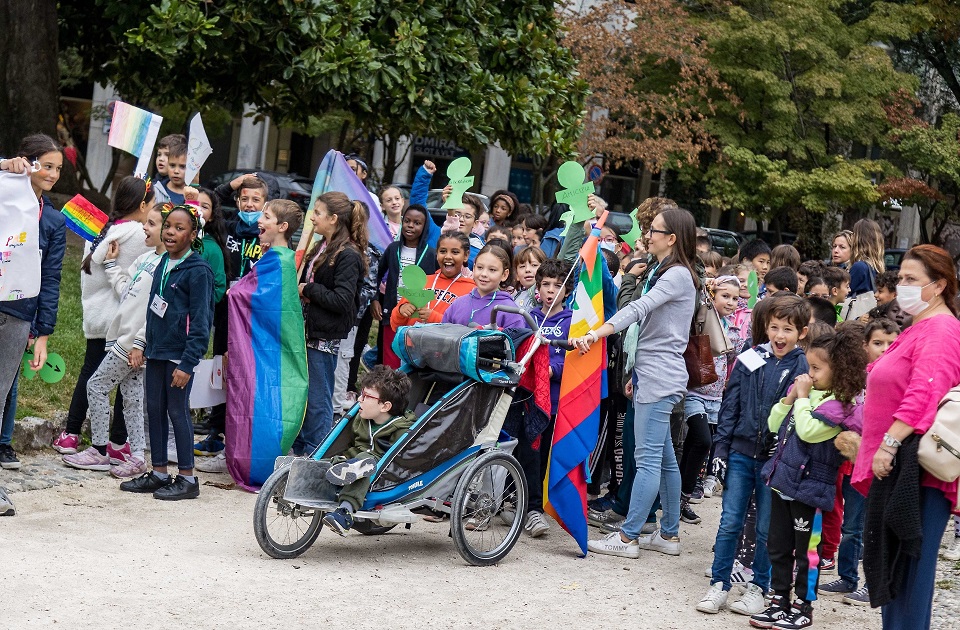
(582, 386)
(266, 368)
(84, 218)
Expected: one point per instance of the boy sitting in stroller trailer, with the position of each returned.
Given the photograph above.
(383, 391)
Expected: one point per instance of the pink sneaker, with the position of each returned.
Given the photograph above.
(90, 459)
(133, 467)
(66, 443)
(120, 455)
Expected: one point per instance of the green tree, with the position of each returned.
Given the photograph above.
(473, 71)
(809, 89)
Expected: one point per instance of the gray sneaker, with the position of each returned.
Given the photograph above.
(345, 473)
(656, 542)
(860, 597)
(613, 524)
(6, 505)
(597, 518)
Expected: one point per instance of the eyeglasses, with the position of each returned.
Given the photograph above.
(364, 396)
(664, 232)
(461, 215)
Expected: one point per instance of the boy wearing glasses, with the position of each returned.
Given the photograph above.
(381, 421)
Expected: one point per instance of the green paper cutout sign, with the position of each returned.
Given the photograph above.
(567, 218)
(575, 193)
(414, 286)
(52, 371)
(460, 182)
(753, 287)
(635, 233)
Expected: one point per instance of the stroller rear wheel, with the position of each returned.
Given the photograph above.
(488, 507)
(283, 529)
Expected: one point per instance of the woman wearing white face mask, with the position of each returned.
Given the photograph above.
(904, 387)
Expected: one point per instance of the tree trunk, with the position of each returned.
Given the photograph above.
(30, 76)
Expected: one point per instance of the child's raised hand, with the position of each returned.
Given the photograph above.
(446, 192)
(424, 313)
(429, 167)
(802, 386)
(135, 360)
(180, 379)
(191, 194)
(113, 250)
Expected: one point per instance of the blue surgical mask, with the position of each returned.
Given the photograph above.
(610, 247)
(250, 218)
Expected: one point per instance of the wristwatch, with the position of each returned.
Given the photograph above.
(891, 441)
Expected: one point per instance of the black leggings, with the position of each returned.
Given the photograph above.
(218, 414)
(696, 447)
(92, 358)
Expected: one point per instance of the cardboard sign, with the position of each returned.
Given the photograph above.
(459, 182)
(575, 193)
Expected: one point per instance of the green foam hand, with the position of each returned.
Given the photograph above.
(575, 193)
(52, 371)
(635, 233)
(460, 183)
(753, 287)
(414, 286)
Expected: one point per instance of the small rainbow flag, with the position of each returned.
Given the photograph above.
(84, 218)
(134, 130)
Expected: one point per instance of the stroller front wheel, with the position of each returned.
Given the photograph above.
(284, 529)
(488, 507)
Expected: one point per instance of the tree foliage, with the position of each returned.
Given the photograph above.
(473, 71)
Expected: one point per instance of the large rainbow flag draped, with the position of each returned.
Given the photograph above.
(266, 368)
(578, 417)
(335, 175)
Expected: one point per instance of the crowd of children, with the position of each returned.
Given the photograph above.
(773, 433)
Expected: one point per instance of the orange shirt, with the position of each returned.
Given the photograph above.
(445, 290)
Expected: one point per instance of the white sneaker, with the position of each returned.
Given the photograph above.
(953, 551)
(345, 473)
(535, 525)
(613, 545)
(508, 514)
(714, 601)
(656, 542)
(215, 464)
(751, 602)
(709, 485)
(738, 574)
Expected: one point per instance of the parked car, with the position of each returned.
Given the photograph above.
(289, 185)
(892, 258)
(725, 242)
(787, 238)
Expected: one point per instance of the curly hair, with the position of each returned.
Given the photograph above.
(848, 360)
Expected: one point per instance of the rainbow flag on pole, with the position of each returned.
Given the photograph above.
(266, 368)
(582, 386)
(84, 218)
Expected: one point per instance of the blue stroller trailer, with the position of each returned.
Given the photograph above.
(454, 459)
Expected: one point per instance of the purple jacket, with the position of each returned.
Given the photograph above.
(557, 326)
(473, 310)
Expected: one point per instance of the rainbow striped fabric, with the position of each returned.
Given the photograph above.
(582, 386)
(266, 370)
(84, 218)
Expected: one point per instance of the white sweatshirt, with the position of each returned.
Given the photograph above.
(128, 330)
(97, 295)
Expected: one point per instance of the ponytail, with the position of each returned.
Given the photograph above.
(351, 229)
(131, 193)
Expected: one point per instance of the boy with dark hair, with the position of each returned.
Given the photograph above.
(533, 227)
(163, 152)
(757, 253)
(887, 306)
(703, 241)
(743, 444)
(249, 192)
(808, 269)
(823, 310)
(381, 421)
(171, 188)
(838, 281)
(781, 279)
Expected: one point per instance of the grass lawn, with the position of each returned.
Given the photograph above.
(37, 398)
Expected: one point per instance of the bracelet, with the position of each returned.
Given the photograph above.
(596, 337)
(888, 451)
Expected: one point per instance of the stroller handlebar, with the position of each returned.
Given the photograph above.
(515, 310)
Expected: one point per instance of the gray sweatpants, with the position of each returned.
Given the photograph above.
(114, 371)
(14, 334)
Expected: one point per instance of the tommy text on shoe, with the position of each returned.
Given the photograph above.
(714, 600)
(345, 473)
(612, 545)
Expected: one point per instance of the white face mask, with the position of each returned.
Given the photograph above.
(611, 247)
(910, 300)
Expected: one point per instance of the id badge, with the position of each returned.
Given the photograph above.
(158, 306)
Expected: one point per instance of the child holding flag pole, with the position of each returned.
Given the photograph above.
(660, 380)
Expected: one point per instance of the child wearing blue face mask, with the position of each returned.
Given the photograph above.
(243, 236)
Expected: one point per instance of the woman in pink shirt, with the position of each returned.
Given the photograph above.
(904, 387)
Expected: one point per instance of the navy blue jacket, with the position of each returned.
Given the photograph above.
(807, 472)
(749, 397)
(390, 269)
(184, 330)
(41, 310)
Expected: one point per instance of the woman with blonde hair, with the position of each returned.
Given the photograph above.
(866, 256)
(842, 249)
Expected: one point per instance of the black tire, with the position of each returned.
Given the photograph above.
(300, 525)
(481, 535)
(367, 528)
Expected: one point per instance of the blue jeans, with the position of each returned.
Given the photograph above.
(743, 481)
(911, 609)
(10, 412)
(321, 368)
(851, 534)
(657, 469)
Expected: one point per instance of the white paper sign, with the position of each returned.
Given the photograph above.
(207, 388)
(198, 149)
(20, 254)
(751, 360)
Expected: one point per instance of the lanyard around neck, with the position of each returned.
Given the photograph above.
(166, 272)
(474, 311)
(445, 291)
(400, 262)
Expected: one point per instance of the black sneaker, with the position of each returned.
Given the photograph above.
(181, 488)
(778, 609)
(8, 459)
(687, 515)
(340, 521)
(800, 617)
(147, 482)
(697, 495)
